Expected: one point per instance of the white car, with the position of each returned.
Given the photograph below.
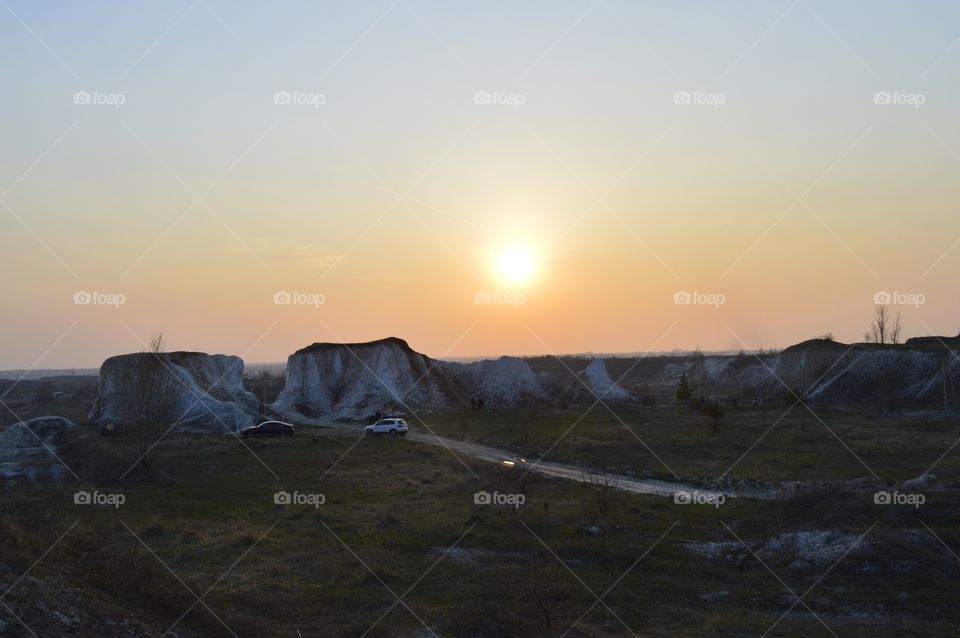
(391, 426)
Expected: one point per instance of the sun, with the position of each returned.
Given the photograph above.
(516, 265)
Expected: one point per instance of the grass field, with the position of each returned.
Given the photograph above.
(756, 443)
(204, 519)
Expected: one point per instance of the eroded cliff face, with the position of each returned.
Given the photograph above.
(353, 381)
(597, 379)
(196, 391)
(503, 382)
(356, 380)
(910, 376)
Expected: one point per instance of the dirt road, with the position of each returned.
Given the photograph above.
(545, 468)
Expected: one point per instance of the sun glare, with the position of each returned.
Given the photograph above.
(516, 265)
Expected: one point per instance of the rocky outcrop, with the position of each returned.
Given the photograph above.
(915, 375)
(596, 377)
(193, 390)
(28, 450)
(359, 379)
(503, 382)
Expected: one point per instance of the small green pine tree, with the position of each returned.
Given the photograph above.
(683, 389)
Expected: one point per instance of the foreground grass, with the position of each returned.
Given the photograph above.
(204, 519)
(756, 443)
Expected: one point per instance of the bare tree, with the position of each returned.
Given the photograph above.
(149, 403)
(896, 332)
(158, 343)
(880, 328)
(602, 484)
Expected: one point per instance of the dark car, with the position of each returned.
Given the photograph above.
(268, 428)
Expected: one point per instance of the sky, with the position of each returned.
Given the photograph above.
(476, 178)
